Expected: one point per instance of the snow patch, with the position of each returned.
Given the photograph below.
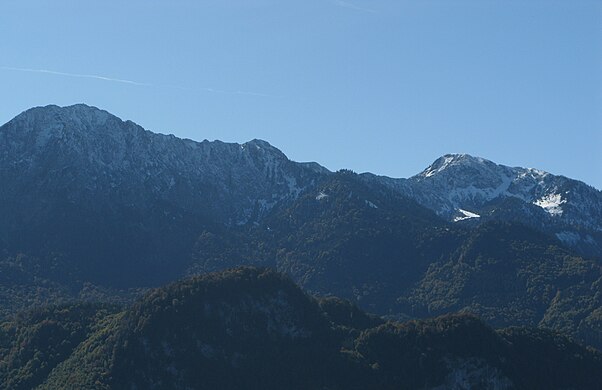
(430, 171)
(466, 215)
(551, 203)
(321, 196)
(370, 204)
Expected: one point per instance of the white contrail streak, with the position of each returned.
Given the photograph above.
(77, 75)
(137, 83)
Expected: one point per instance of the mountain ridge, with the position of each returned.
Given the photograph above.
(97, 207)
(86, 149)
(460, 187)
(108, 147)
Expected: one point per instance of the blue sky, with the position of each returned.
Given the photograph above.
(380, 86)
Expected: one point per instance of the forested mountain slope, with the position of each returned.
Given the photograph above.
(253, 328)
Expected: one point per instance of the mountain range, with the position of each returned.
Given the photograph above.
(97, 211)
(460, 187)
(93, 156)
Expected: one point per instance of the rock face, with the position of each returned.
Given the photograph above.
(460, 187)
(120, 203)
(89, 155)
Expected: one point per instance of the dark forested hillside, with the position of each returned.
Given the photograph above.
(347, 238)
(393, 257)
(253, 328)
(338, 238)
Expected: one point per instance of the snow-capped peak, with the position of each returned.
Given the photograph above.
(456, 183)
(449, 160)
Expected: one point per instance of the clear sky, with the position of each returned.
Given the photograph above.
(369, 85)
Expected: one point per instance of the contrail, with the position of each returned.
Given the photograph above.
(131, 82)
(77, 75)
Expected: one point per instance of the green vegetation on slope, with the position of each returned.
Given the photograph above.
(253, 328)
(397, 259)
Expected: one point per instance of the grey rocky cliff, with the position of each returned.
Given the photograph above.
(89, 155)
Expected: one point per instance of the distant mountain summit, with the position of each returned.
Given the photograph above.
(89, 152)
(462, 180)
(460, 187)
(79, 181)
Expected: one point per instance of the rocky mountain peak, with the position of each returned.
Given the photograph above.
(453, 160)
(92, 154)
(461, 168)
(461, 187)
(80, 116)
(260, 144)
(77, 127)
